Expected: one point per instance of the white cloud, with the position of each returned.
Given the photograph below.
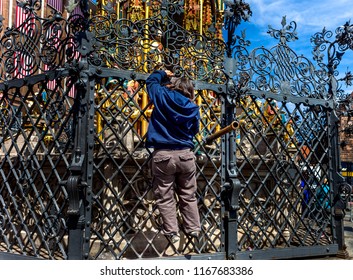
(310, 15)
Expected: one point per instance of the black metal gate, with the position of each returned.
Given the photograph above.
(74, 172)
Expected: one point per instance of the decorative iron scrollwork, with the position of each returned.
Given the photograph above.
(286, 34)
(41, 45)
(30, 6)
(235, 11)
(37, 45)
(336, 48)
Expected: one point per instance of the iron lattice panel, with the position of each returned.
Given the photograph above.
(125, 218)
(158, 42)
(282, 155)
(36, 146)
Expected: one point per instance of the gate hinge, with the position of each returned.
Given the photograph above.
(340, 201)
(74, 186)
(231, 194)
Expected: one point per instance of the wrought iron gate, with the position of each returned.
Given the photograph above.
(74, 172)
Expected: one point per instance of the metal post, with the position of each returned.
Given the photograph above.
(81, 167)
(231, 186)
(234, 13)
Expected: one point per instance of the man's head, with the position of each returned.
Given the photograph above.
(184, 85)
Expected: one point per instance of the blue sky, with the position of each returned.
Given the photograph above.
(311, 16)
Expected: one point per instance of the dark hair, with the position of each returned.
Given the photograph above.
(184, 85)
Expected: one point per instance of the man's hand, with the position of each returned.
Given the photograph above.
(169, 73)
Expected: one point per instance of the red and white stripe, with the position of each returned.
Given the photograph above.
(21, 16)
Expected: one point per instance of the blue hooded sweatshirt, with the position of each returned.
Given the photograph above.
(175, 118)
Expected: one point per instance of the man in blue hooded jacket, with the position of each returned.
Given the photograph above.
(174, 123)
